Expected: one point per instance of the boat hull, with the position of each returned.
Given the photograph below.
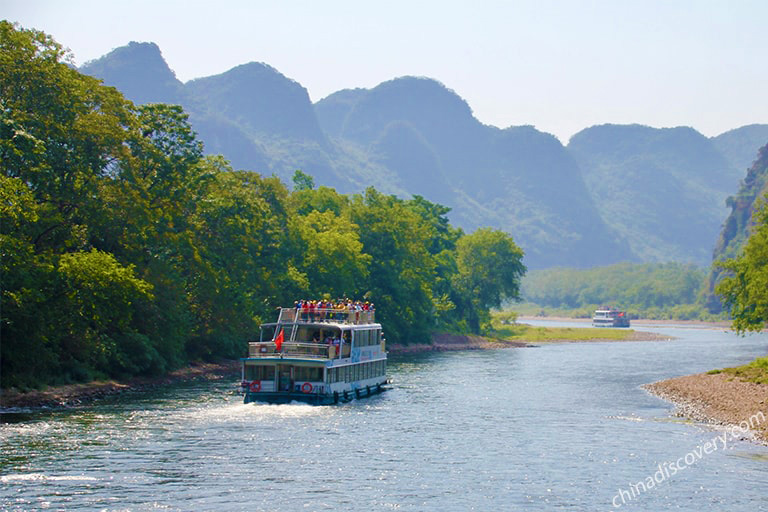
(286, 397)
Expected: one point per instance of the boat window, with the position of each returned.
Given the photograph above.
(308, 373)
(304, 334)
(367, 337)
(253, 372)
(329, 335)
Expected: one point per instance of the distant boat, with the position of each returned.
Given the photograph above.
(609, 317)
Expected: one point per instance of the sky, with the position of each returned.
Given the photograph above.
(559, 65)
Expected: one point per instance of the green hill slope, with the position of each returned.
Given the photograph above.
(616, 193)
(665, 189)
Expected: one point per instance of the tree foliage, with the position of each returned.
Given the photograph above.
(125, 251)
(652, 290)
(745, 290)
(490, 266)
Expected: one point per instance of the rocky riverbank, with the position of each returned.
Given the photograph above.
(720, 399)
(77, 394)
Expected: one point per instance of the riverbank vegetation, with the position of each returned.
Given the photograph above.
(127, 252)
(744, 288)
(756, 371)
(663, 291)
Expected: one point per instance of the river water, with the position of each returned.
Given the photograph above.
(557, 427)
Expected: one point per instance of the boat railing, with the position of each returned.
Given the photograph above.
(327, 315)
(308, 350)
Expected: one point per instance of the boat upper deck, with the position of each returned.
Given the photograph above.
(317, 333)
(344, 316)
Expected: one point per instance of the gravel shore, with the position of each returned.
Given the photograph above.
(720, 399)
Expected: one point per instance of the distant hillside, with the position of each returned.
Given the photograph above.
(262, 101)
(664, 188)
(252, 114)
(739, 146)
(736, 228)
(518, 179)
(615, 194)
(139, 71)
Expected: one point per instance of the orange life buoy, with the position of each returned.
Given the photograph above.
(255, 386)
(306, 387)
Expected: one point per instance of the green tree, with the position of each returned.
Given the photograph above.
(243, 266)
(402, 269)
(745, 290)
(60, 135)
(96, 319)
(490, 266)
(331, 254)
(302, 181)
(61, 131)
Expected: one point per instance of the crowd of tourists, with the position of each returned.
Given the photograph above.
(327, 310)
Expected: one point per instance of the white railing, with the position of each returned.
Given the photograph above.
(340, 316)
(288, 348)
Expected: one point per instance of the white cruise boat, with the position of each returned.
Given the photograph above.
(330, 356)
(609, 317)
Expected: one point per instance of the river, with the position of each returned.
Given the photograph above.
(557, 427)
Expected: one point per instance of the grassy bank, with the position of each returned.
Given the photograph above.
(523, 332)
(756, 371)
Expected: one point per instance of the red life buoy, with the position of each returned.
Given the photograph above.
(255, 386)
(306, 387)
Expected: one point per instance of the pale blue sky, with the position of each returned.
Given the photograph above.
(558, 65)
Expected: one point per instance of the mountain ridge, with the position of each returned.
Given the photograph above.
(414, 135)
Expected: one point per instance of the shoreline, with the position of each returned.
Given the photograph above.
(446, 342)
(443, 342)
(72, 395)
(717, 399)
(640, 321)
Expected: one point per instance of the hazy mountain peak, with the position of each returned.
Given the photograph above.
(261, 98)
(140, 72)
(436, 111)
(738, 145)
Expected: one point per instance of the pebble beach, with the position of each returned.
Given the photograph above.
(719, 399)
